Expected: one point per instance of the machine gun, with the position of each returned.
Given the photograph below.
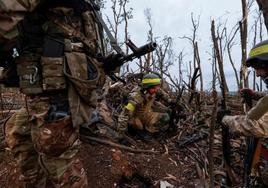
(113, 61)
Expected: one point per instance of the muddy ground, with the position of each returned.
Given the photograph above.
(108, 166)
(165, 160)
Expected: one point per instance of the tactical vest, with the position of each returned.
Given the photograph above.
(43, 64)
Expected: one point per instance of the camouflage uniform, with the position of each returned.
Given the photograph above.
(59, 79)
(139, 113)
(254, 124)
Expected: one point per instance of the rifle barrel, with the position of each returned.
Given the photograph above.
(141, 51)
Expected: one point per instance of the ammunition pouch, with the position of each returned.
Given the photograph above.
(39, 74)
(84, 77)
(52, 64)
(42, 73)
(52, 72)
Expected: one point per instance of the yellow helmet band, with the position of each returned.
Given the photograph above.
(259, 50)
(151, 81)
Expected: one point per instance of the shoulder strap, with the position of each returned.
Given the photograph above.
(71, 31)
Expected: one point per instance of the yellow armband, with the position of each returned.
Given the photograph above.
(130, 107)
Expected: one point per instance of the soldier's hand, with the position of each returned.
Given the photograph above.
(246, 93)
(173, 103)
(221, 113)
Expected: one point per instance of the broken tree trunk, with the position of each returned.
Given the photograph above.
(219, 58)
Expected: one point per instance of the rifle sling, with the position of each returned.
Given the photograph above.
(74, 32)
(113, 41)
(71, 31)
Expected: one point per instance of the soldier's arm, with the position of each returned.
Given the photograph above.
(259, 95)
(128, 111)
(259, 109)
(242, 125)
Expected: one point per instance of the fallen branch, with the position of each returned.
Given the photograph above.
(120, 146)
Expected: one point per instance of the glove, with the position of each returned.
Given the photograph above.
(221, 113)
(246, 92)
(173, 103)
(247, 95)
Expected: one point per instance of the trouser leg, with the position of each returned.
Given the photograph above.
(157, 122)
(18, 139)
(65, 171)
(58, 145)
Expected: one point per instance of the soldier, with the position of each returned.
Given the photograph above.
(255, 122)
(138, 114)
(51, 45)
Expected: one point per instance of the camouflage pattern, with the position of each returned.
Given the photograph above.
(8, 26)
(18, 139)
(143, 117)
(47, 149)
(255, 123)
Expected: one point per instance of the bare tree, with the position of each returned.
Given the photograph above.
(243, 25)
(117, 17)
(196, 56)
(258, 36)
(148, 16)
(149, 60)
(218, 54)
(212, 126)
(121, 15)
(254, 42)
(127, 14)
(180, 63)
(230, 43)
(165, 55)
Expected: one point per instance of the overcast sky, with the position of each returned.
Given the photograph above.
(173, 18)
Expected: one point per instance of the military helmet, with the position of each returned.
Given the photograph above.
(150, 80)
(258, 55)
